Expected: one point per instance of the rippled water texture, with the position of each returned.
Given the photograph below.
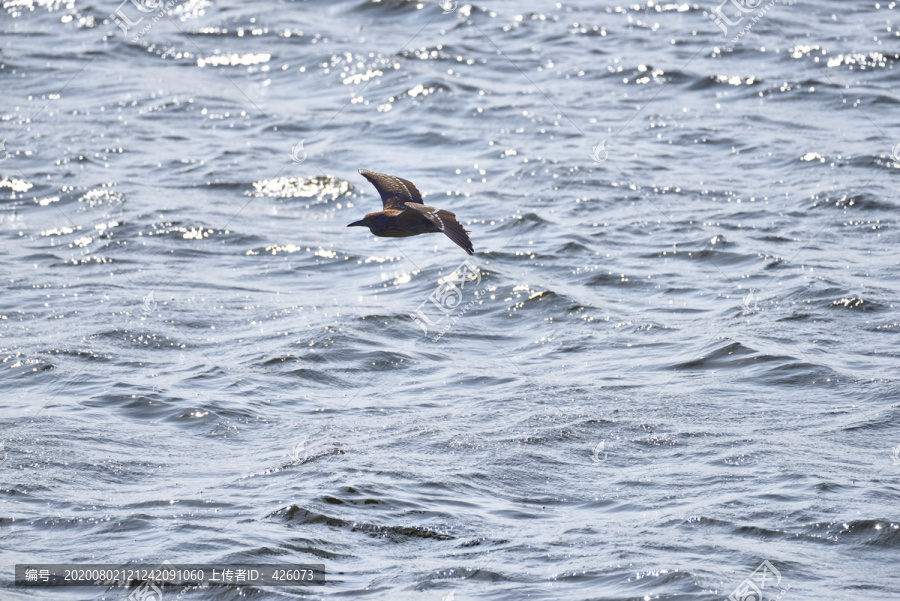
(673, 356)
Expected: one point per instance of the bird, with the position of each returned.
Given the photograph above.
(404, 214)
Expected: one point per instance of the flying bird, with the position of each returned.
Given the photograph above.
(404, 214)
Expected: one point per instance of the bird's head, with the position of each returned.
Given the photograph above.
(365, 222)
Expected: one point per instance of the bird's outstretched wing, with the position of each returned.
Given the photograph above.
(446, 222)
(395, 191)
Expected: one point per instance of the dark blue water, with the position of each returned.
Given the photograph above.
(673, 356)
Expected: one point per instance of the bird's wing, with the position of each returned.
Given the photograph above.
(395, 191)
(446, 222)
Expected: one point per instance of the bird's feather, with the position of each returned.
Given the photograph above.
(395, 191)
(444, 220)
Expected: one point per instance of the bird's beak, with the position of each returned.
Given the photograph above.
(360, 222)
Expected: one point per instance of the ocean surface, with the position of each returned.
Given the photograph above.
(670, 370)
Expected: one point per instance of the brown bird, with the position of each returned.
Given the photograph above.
(404, 213)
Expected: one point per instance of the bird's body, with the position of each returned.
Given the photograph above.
(404, 214)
